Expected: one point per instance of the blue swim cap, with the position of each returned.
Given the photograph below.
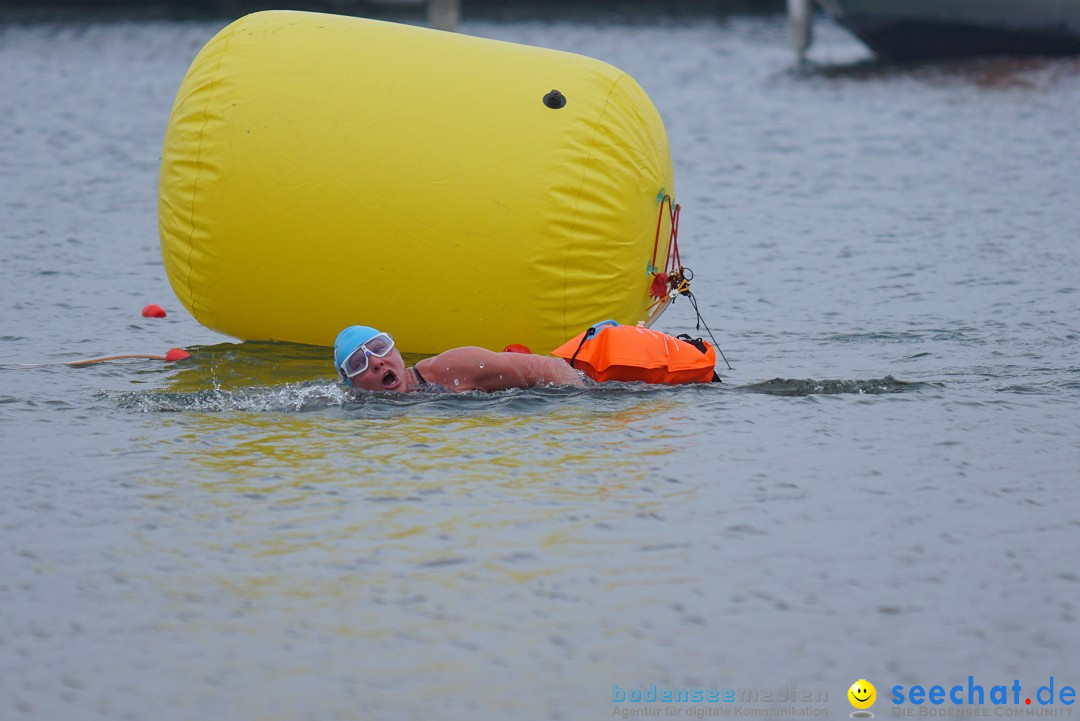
(349, 340)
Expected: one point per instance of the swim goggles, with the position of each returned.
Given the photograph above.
(357, 361)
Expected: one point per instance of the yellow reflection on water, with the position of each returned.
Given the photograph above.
(319, 506)
(241, 365)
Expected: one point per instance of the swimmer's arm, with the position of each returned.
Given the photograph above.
(483, 370)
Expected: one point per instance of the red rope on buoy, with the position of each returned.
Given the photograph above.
(173, 354)
(671, 276)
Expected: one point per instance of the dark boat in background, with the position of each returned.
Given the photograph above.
(907, 30)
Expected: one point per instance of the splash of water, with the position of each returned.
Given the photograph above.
(292, 397)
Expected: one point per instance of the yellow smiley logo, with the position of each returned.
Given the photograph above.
(862, 694)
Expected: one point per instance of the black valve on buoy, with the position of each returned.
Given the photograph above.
(554, 100)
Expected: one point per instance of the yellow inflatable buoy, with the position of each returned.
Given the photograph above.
(320, 171)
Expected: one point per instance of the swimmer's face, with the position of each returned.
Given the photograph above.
(384, 374)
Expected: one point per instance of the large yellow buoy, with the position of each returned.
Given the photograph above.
(321, 171)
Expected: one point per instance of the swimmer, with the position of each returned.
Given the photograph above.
(366, 359)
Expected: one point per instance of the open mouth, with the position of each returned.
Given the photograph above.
(389, 379)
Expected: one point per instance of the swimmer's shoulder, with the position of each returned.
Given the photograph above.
(458, 368)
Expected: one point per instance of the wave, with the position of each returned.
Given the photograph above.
(314, 396)
(292, 397)
(317, 395)
(809, 386)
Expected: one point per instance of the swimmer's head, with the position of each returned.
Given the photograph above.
(367, 359)
(349, 340)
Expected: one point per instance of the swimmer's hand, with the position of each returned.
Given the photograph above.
(471, 368)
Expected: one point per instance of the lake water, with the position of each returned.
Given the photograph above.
(885, 486)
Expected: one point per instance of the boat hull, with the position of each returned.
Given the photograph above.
(913, 31)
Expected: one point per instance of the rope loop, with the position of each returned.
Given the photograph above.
(673, 280)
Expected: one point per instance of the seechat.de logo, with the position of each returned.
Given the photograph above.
(1008, 700)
